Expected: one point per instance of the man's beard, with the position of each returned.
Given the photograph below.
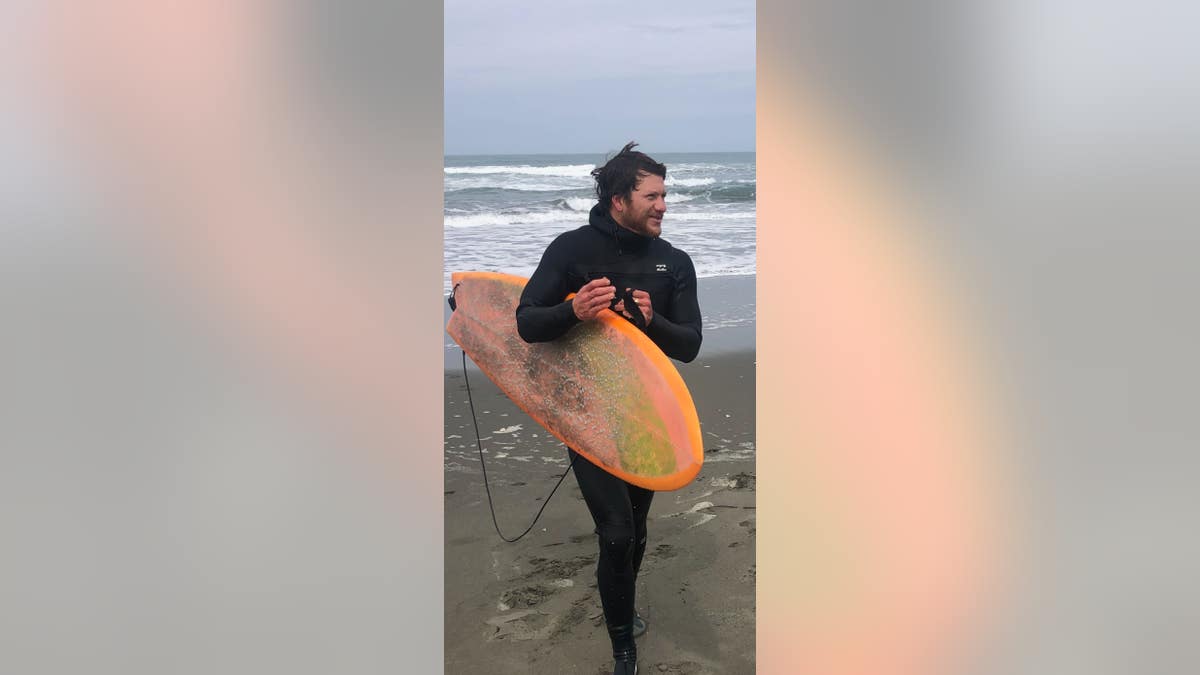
(645, 224)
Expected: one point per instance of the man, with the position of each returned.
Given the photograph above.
(617, 261)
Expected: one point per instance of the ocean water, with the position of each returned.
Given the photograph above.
(501, 211)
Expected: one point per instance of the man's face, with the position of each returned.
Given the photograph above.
(643, 211)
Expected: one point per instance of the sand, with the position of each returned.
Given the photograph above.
(532, 606)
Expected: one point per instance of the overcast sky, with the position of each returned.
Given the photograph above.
(539, 76)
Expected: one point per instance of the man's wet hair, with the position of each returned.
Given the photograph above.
(622, 172)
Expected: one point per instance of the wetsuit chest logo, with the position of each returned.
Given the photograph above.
(660, 267)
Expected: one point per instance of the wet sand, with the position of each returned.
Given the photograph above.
(532, 606)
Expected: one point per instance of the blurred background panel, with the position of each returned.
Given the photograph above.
(220, 252)
(1028, 166)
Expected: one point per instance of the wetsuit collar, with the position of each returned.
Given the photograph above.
(626, 240)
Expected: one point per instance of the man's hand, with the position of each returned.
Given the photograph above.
(595, 295)
(642, 298)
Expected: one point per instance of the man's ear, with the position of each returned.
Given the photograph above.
(618, 203)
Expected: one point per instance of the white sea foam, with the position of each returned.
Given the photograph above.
(694, 166)
(689, 182)
(711, 215)
(727, 322)
(580, 203)
(486, 184)
(727, 266)
(492, 218)
(568, 170)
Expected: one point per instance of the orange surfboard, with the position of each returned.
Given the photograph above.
(604, 388)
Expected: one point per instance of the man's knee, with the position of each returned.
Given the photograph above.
(617, 541)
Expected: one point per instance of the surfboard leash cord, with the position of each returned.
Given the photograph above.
(479, 445)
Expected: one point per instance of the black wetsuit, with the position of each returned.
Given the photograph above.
(629, 260)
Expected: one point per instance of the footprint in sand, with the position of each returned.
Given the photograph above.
(523, 625)
(547, 577)
(678, 668)
(667, 668)
(529, 622)
(664, 551)
(582, 608)
(744, 481)
(553, 568)
(524, 597)
(751, 575)
(738, 481)
(658, 556)
(535, 610)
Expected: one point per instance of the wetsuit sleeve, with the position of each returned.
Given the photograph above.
(542, 314)
(678, 335)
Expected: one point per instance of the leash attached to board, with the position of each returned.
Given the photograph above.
(479, 445)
